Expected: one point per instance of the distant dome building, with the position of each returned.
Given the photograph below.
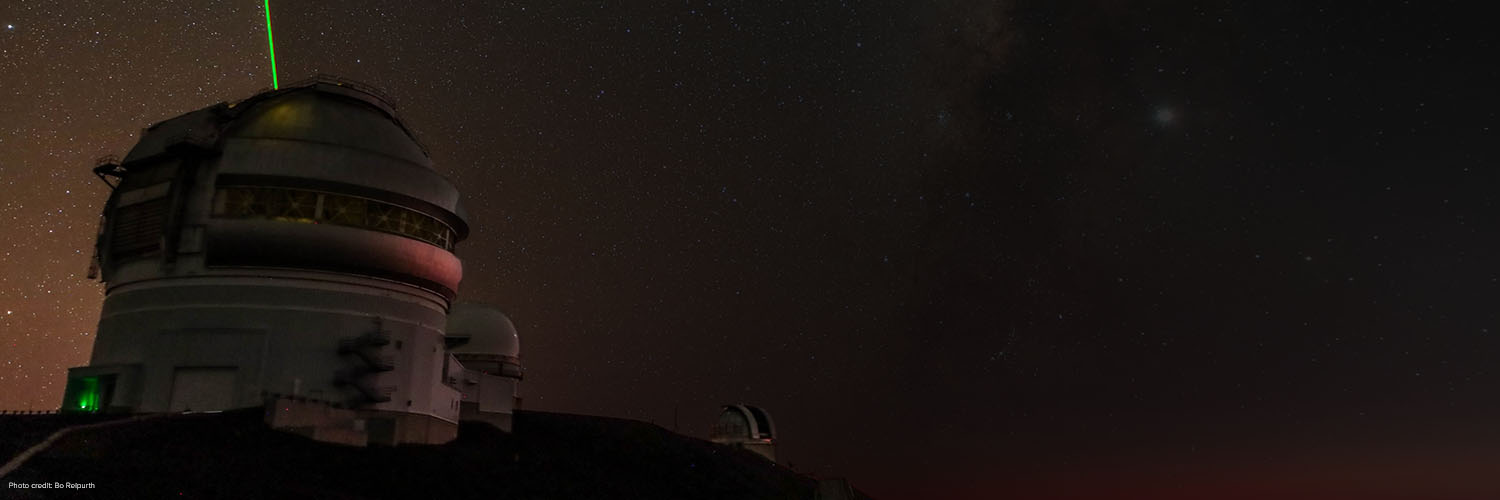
(484, 344)
(747, 427)
(295, 245)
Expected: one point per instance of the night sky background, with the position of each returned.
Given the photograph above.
(959, 249)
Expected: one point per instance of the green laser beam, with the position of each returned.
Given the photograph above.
(271, 43)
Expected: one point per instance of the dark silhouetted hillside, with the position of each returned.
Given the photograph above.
(234, 455)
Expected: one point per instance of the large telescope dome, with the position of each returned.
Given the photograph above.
(321, 175)
(296, 245)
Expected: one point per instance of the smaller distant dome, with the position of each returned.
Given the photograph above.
(739, 423)
(486, 329)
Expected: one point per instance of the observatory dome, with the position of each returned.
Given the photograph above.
(319, 175)
(297, 243)
(741, 422)
(330, 115)
(484, 330)
(336, 133)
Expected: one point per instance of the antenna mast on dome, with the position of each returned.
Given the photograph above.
(271, 44)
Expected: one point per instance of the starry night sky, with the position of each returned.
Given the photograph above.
(959, 249)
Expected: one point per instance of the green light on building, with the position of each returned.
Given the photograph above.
(83, 394)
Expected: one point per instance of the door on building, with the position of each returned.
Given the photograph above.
(203, 389)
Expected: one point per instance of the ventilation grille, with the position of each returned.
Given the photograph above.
(138, 228)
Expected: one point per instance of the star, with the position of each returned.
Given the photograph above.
(1165, 116)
